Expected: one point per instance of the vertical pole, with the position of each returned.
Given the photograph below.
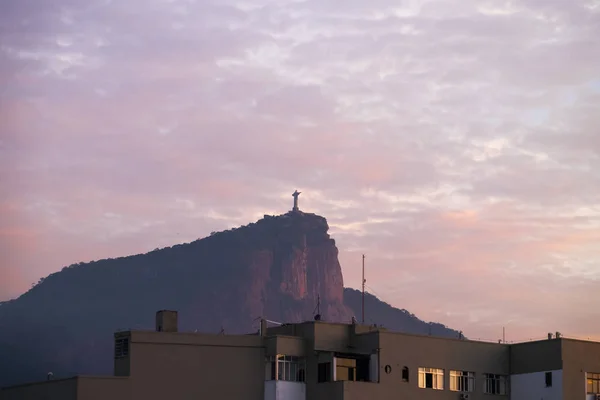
(503, 335)
(318, 304)
(363, 289)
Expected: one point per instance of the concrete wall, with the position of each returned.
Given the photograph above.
(102, 388)
(194, 366)
(578, 357)
(332, 337)
(533, 386)
(348, 390)
(544, 355)
(287, 345)
(60, 389)
(77, 388)
(413, 351)
(369, 391)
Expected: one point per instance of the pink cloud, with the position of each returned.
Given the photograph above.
(124, 134)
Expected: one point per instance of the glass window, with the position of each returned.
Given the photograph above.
(286, 368)
(593, 383)
(431, 378)
(495, 384)
(462, 381)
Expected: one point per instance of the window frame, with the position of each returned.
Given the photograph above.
(496, 384)
(437, 378)
(287, 368)
(462, 381)
(592, 378)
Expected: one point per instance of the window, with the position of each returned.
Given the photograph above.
(593, 383)
(405, 374)
(462, 381)
(324, 372)
(431, 378)
(548, 379)
(122, 348)
(495, 384)
(286, 368)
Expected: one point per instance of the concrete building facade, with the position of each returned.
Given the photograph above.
(317, 360)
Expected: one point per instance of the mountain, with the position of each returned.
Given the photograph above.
(279, 267)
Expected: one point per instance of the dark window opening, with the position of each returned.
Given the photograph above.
(405, 374)
(548, 379)
(301, 375)
(324, 372)
(429, 381)
(273, 369)
(362, 370)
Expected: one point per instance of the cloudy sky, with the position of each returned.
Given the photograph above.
(455, 142)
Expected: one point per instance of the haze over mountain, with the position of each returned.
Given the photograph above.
(280, 267)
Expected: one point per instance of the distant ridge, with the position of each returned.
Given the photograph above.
(275, 267)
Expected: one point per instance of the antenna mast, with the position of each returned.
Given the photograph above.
(318, 309)
(363, 289)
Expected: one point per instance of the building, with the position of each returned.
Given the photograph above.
(318, 360)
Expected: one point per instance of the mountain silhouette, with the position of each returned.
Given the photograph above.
(279, 267)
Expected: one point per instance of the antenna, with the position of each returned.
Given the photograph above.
(363, 289)
(318, 309)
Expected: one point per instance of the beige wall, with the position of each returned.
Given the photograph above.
(63, 389)
(288, 345)
(192, 366)
(332, 337)
(345, 390)
(103, 388)
(76, 388)
(412, 351)
(579, 357)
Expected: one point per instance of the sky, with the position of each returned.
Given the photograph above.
(454, 142)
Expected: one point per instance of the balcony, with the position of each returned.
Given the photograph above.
(284, 378)
(284, 390)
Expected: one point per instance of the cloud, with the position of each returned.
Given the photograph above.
(454, 142)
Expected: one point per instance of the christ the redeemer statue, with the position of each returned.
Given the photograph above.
(295, 196)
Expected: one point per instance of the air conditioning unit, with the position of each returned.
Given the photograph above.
(464, 396)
